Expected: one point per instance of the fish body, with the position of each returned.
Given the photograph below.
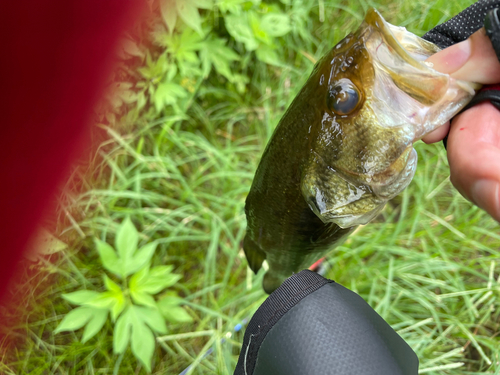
(344, 147)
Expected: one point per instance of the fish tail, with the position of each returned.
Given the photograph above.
(255, 256)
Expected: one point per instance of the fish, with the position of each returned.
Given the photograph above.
(344, 146)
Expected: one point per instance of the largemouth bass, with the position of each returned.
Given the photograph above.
(344, 147)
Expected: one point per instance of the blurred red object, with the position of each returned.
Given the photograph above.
(55, 56)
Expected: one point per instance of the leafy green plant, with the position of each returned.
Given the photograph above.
(188, 41)
(132, 307)
(257, 30)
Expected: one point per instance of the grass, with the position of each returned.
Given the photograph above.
(430, 264)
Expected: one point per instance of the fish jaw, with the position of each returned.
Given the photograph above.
(407, 91)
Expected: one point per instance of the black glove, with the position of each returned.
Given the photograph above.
(463, 25)
(312, 325)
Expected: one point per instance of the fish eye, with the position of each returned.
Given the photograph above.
(343, 97)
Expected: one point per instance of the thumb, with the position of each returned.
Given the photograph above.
(472, 60)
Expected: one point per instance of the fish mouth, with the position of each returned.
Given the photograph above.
(407, 91)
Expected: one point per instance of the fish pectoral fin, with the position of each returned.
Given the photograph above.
(255, 256)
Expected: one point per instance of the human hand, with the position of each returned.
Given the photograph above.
(474, 135)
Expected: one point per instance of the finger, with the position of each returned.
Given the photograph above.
(472, 60)
(437, 134)
(474, 156)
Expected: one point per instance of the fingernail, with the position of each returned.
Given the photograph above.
(486, 194)
(451, 59)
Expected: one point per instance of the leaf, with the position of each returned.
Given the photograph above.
(118, 307)
(154, 70)
(147, 282)
(48, 244)
(257, 30)
(123, 94)
(75, 319)
(121, 333)
(142, 298)
(43, 243)
(80, 297)
(141, 100)
(108, 257)
(167, 93)
(215, 53)
(94, 319)
(183, 48)
(176, 314)
(232, 6)
(153, 318)
(161, 271)
(170, 309)
(130, 48)
(112, 300)
(116, 295)
(170, 299)
(95, 324)
(169, 14)
(138, 278)
(241, 81)
(275, 24)
(143, 343)
(126, 243)
(104, 300)
(143, 256)
(131, 326)
(136, 291)
(187, 10)
(203, 4)
(239, 28)
(171, 72)
(129, 259)
(111, 285)
(158, 279)
(267, 55)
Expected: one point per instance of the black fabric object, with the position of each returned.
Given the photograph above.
(463, 25)
(492, 27)
(312, 325)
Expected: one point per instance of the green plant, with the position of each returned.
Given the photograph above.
(194, 40)
(133, 309)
